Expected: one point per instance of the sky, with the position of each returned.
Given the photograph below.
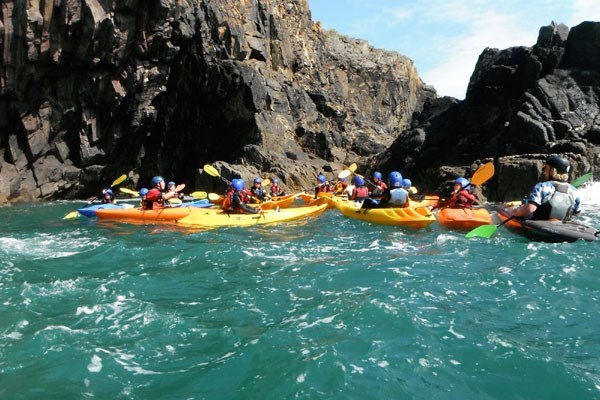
(444, 38)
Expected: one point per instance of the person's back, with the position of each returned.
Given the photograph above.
(553, 198)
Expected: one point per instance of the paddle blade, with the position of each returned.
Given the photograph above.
(199, 195)
(174, 201)
(265, 182)
(582, 179)
(212, 171)
(119, 180)
(484, 231)
(129, 191)
(213, 197)
(352, 167)
(413, 190)
(344, 174)
(71, 215)
(483, 174)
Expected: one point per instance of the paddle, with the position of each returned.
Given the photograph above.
(129, 191)
(199, 195)
(74, 214)
(582, 179)
(483, 174)
(213, 196)
(212, 171)
(486, 231)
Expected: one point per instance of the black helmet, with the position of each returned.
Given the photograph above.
(561, 164)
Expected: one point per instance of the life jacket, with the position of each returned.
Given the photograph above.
(275, 190)
(228, 202)
(323, 188)
(462, 199)
(360, 193)
(559, 206)
(154, 199)
(259, 193)
(399, 197)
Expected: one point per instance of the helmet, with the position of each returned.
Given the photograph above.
(257, 180)
(359, 181)
(143, 191)
(395, 179)
(342, 179)
(238, 184)
(561, 164)
(321, 178)
(170, 184)
(108, 192)
(377, 175)
(463, 182)
(157, 179)
(406, 183)
(275, 181)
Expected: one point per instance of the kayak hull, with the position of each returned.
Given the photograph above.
(162, 214)
(464, 219)
(415, 218)
(214, 218)
(549, 231)
(90, 211)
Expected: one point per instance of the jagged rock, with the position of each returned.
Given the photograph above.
(520, 101)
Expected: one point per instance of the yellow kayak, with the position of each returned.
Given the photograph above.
(212, 218)
(399, 216)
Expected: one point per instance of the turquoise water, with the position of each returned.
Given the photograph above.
(328, 308)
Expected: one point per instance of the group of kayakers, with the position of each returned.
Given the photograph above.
(553, 198)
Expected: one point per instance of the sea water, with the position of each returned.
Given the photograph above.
(325, 308)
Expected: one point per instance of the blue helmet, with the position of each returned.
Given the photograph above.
(359, 181)
(170, 184)
(275, 181)
(257, 180)
(156, 180)
(238, 184)
(342, 179)
(377, 175)
(322, 178)
(108, 192)
(395, 179)
(143, 191)
(463, 182)
(406, 183)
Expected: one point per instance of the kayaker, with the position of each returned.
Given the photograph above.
(554, 198)
(460, 196)
(397, 195)
(143, 202)
(276, 190)
(172, 188)
(380, 185)
(157, 197)
(258, 193)
(360, 192)
(322, 185)
(340, 186)
(407, 185)
(108, 197)
(237, 198)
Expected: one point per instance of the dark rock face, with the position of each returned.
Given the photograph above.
(91, 90)
(522, 102)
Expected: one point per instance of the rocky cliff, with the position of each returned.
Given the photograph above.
(522, 103)
(93, 89)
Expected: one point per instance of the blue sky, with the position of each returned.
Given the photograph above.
(445, 37)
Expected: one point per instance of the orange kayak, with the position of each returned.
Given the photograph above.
(162, 214)
(463, 219)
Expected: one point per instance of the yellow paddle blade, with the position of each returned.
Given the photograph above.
(209, 169)
(344, 174)
(129, 191)
(119, 180)
(213, 196)
(199, 195)
(352, 167)
(174, 201)
(71, 215)
(413, 190)
(265, 182)
(483, 174)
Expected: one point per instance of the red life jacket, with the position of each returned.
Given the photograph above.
(360, 193)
